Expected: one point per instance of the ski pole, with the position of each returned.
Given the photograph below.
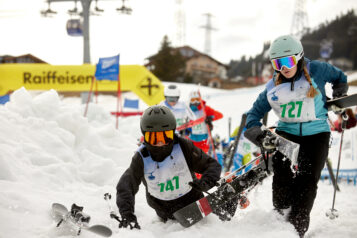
(333, 213)
(113, 215)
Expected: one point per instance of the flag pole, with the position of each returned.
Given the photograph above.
(89, 95)
(118, 102)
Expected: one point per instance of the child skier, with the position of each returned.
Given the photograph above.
(199, 133)
(296, 94)
(180, 110)
(166, 164)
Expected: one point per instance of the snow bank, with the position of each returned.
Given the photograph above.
(51, 153)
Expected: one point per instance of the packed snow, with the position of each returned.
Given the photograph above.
(51, 153)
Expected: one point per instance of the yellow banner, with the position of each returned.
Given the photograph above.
(69, 78)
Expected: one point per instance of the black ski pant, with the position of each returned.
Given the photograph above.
(298, 191)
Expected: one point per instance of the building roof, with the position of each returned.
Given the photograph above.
(16, 59)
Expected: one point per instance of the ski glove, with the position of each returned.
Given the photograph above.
(339, 90)
(201, 185)
(129, 220)
(208, 121)
(261, 137)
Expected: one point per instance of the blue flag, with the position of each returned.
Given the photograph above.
(131, 103)
(4, 99)
(107, 68)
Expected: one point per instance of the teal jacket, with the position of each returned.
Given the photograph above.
(321, 73)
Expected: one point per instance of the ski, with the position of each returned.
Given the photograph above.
(343, 102)
(288, 148)
(232, 149)
(76, 217)
(190, 124)
(214, 202)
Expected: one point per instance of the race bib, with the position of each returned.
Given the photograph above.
(292, 106)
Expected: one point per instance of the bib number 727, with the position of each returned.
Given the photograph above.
(291, 109)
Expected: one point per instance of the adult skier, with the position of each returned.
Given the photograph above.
(296, 93)
(166, 164)
(180, 109)
(199, 133)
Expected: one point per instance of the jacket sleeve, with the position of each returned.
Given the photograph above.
(257, 112)
(327, 72)
(128, 185)
(200, 162)
(210, 112)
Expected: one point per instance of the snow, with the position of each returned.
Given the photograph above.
(51, 153)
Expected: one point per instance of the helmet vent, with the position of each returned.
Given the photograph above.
(287, 51)
(165, 126)
(172, 87)
(149, 127)
(163, 111)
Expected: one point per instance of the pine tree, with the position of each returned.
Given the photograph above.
(169, 65)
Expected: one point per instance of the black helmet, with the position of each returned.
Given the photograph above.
(157, 118)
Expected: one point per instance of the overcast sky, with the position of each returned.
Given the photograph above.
(243, 27)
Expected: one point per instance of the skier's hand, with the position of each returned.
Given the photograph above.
(201, 185)
(129, 220)
(337, 110)
(208, 121)
(268, 140)
(262, 138)
(339, 90)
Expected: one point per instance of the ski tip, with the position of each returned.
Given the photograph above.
(183, 221)
(101, 230)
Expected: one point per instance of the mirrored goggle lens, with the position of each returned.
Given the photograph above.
(153, 138)
(172, 99)
(288, 62)
(195, 100)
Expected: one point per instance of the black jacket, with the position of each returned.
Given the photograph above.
(129, 182)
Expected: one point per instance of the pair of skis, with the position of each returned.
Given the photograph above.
(234, 186)
(217, 201)
(78, 219)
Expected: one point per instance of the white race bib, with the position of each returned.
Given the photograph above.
(292, 106)
(167, 180)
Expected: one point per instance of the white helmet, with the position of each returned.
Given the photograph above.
(194, 94)
(172, 91)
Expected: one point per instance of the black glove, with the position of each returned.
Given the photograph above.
(261, 138)
(208, 121)
(339, 90)
(201, 185)
(129, 220)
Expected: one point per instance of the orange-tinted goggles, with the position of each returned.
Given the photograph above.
(195, 100)
(154, 138)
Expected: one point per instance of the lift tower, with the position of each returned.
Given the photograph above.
(208, 27)
(85, 17)
(300, 22)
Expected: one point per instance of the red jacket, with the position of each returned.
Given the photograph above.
(210, 112)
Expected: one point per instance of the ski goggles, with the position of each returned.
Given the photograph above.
(154, 137)
(195, 101)
(172, 99)
(288, 62)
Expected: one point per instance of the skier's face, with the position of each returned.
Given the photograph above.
(289, 73)
(172, 101)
